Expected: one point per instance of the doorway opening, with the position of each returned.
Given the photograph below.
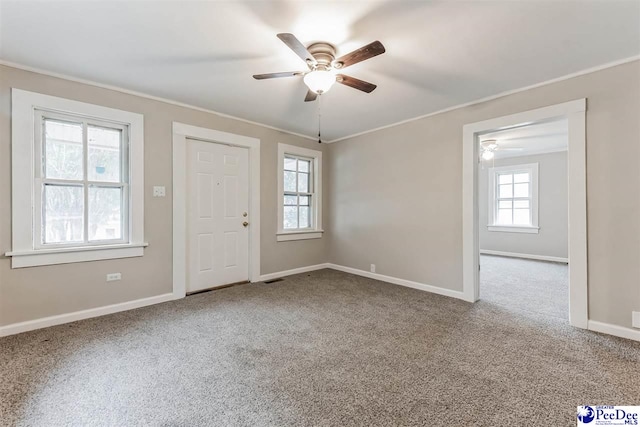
(523, 218)
(574, 114)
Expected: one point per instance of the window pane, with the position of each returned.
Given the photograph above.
(304, 200)
(303, 165)
(290, 217)
(518, 204)
(504, 204)
(62, 214)
(521, 190)
(291, 200)
(504, 216)
(289, 164)
(305, 220)
(63, 150)
(506, 191)
(105, 213)
(521, 177)
(303, 182)
(290, 181)
(104, 154)
(521, 217)
(505, 178)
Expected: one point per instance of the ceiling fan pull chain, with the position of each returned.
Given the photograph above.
(319, 118)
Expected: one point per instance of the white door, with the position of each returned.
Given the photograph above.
(218, 215)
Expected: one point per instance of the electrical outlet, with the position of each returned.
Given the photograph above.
(158, 191)
(111, 277)
(635, 319)
(373, 268)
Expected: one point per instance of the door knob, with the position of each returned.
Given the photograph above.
(245, 223)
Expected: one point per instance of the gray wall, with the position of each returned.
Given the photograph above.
(396, 194)
(392, 197)
(553, 237)
(32, 293)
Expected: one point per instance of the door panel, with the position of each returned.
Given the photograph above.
(230, 249)
(230, 196)
(205, 195)
(205, 251)
(218, 199)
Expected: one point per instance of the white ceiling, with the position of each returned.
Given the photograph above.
(540, 138)
(439, 53)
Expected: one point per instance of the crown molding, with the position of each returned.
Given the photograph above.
(314, 138)
(492, 97)
(146, 96)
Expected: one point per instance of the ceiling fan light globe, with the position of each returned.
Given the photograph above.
(487, 155)
(319, 81)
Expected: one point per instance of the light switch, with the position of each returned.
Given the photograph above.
(158, 191)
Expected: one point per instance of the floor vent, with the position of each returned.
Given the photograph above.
(273, 280)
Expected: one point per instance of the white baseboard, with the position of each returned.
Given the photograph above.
(618, 331)
(45, 322)
(285, 273)
(401, 282)
(16, 328)
(526, 256)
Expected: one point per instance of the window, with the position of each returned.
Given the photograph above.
(83, 170)
(513, 198)
(81, 181)
(299, 195)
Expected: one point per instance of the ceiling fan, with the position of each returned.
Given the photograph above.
(321, 59)
(490, 146)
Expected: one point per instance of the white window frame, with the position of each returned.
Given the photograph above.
(532, 169)
(315, 232)
(40, 117)
(26, 248)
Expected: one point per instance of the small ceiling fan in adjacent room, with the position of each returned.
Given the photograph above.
(322, 63)
(488, 149)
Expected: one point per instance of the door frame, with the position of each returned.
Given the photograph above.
(182, 132)
(575, 113)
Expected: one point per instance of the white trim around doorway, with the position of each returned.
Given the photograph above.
(575, 113)
(182, 132)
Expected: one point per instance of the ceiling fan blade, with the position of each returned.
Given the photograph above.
(365, 52)
(355, 83)
(296, 46)
(311, 96)
(276, 75)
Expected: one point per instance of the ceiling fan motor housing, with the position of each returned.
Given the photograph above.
(324, 54)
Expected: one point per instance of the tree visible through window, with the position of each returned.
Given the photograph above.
(83, 190)
(298, 193)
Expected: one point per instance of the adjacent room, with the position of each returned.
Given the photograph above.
(311, 213)
(523, 208)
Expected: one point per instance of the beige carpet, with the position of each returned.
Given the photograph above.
(318, 349)
(522, 285)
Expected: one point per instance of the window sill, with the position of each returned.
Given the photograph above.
(514, 229)
(32, 258)
(285, 236)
